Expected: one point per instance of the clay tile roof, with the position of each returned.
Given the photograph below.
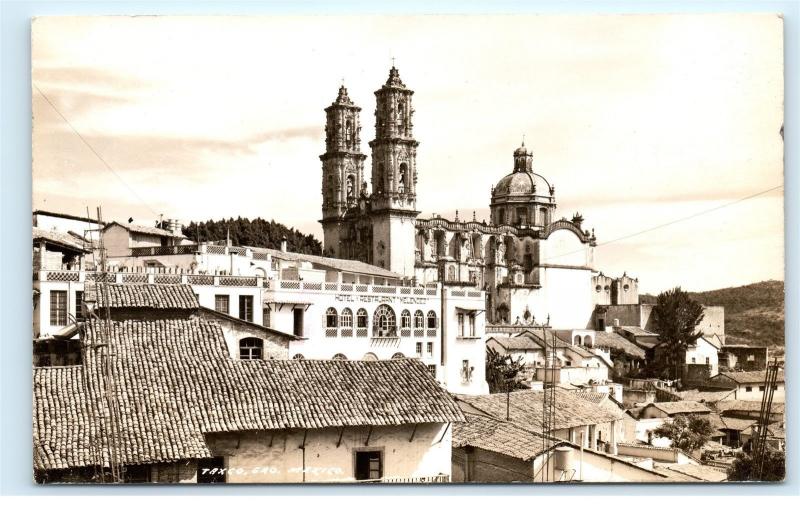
(737, 424)
(516, 343)
(501, 437)
(637, 331)
(345, 265)
(741, 377)
(147, 296)
(59, 238)
(144, 229)
(571, 409)
(738, 405)
(713, 396)
(675, 407)
(175, 383)
(616, 342)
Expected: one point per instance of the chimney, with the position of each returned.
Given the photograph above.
(283, 244)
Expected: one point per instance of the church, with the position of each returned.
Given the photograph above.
(534, 267)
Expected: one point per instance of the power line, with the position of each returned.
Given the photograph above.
(677, 220)
(95, 152)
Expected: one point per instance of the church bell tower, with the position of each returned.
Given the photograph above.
(394, 177)
(342, 168)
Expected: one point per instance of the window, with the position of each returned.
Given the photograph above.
(522, 216)
(419, 320)
(461, 324)
(761, 388)
(370, 357)
(246, 308)
(405, 319)
(222, 303)
(466, 371)
(432, 319)
(298, 322)
(368, 465)
(384, 323)
(298, 357)
(79, 306)
(211, 470)
(251, 348)
(748, 389)
(331, 318)
(419, 349)
(577, 340)
(361, 318)
(432, 369)
(501, 216)
(339, 356)
(694, 360)
(472, 325)
(346, 319)
(601, 323)
(430, 349)
(58, 308)
(267, 321)
(751, 358)
(708, 361)
(398, 356)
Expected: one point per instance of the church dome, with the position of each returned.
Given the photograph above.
(522, 183)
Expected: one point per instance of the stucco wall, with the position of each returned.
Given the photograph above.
(261, 457)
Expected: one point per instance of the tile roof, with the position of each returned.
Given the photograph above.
(741, 377)
(737, 424)
(706, 396)
(144, 229)
(739, 405)
(501, 437)
(571, 409)
(552, 336)
(147, 296)
(692, 473)
(614, 341)
(674, 407)
(516, 343)
(345, 265)
(59, 238)
(175, 382)
(637, 331)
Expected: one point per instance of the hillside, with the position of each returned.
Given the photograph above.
(754, 314)
(253, 233)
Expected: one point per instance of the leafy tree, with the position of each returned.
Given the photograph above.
(503, 371)
(774, 468)
(686, 433)
(253, 233)
(676, 317)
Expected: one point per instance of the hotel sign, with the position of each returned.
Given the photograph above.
(405, 300)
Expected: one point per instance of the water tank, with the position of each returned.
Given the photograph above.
(563, 458)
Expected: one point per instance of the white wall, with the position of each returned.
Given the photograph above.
(264, 457)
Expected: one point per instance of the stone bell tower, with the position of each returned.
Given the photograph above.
(394, 177)
(342, 167)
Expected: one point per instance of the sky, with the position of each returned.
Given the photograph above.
(638, 121)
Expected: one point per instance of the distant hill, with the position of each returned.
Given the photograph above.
(754, 314)
(253, 233)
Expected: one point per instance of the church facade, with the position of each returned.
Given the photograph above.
(534, 267)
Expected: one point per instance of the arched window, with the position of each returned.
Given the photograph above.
(419, 320)
(251, 348)
(543, 216)
(501, 216)
(384, 323)
(339, 356)
(298, 357)
(331, 318)
(405, 319)
(577, 340)
(432, 323)
(402, 178)
(398, 356)
(346, 319)
(370, 357)
(361, 318)
(598, 288)
(587, 340)
(351, 186)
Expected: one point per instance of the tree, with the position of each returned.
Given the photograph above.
(686, 433)
(774, 468)
(675, 318)
(253, 233)
(502, 371)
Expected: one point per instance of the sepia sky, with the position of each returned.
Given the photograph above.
(637, 121)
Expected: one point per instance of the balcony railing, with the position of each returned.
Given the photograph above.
(437, 479)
